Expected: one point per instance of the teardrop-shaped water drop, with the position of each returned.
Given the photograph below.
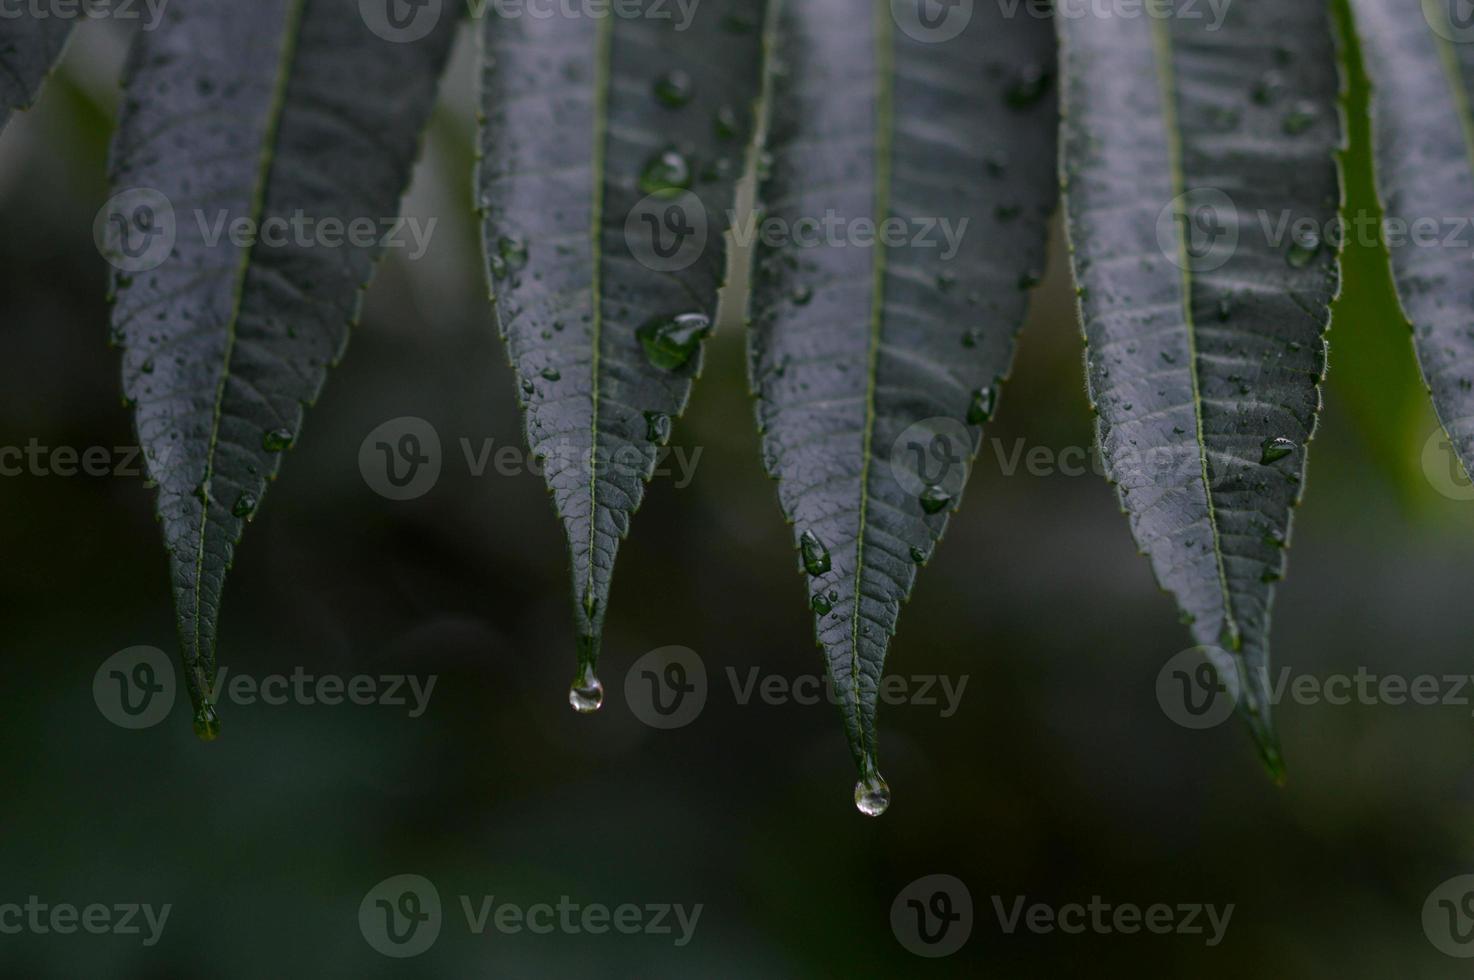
(821, 604)
(657, 427)
(551, 374)
(1276, 449)
(872, 795)
(815, 555)
(586, 693)
(670, 341)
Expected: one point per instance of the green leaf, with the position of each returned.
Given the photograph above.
(610, 152)
(875, 360)
(29, 47)
(1201, 190)
(1420, 60)
(274, 115)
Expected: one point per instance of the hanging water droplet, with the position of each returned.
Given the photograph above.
(673, 89)
(1303, 248)
(667, 174)
(1276, 449)
(277, 440)
(669, 342)
(980, 409)
(586, 693)
(815, 555)
(934, 498)
(872, 795)
(206, 723)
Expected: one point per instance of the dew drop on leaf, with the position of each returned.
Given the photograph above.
(934, 498)
(277, 440)
(670, 341)
(1276, 449)
(816, 556)
(667, 174)
(673, 89)
(980, 409)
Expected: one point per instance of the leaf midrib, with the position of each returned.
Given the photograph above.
(602, 83)
(884, 112)
(292, 29)
(1162, 45)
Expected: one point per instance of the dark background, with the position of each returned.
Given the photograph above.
(1060, 777)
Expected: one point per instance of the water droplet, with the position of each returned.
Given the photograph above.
(816, 556)
(821, 604)
(1300, 118)
(667, 174)
(918, 555)
(1303, 248)
(673, 89)
(513, 251)
(1269, 87)
(728, 125)
(657, 427)
(551, 374)
(1007, 212)
(1029, 279)
(528, 388)
(872, 795)
(1027, 87)
(981, 408)
(802, 295)
(970, 339)
(277, 440)
(586, 693)
(1276, 449)
(245, 505)
(207, 723)
(669, 342)
(934, 498)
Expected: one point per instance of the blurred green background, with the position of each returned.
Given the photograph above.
(1060, 777)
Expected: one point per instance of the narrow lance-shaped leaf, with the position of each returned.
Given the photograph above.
(1420, 59)
(259, 161)
(610, 150)
(30, 45)
(903, 221)
(1200, 181)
